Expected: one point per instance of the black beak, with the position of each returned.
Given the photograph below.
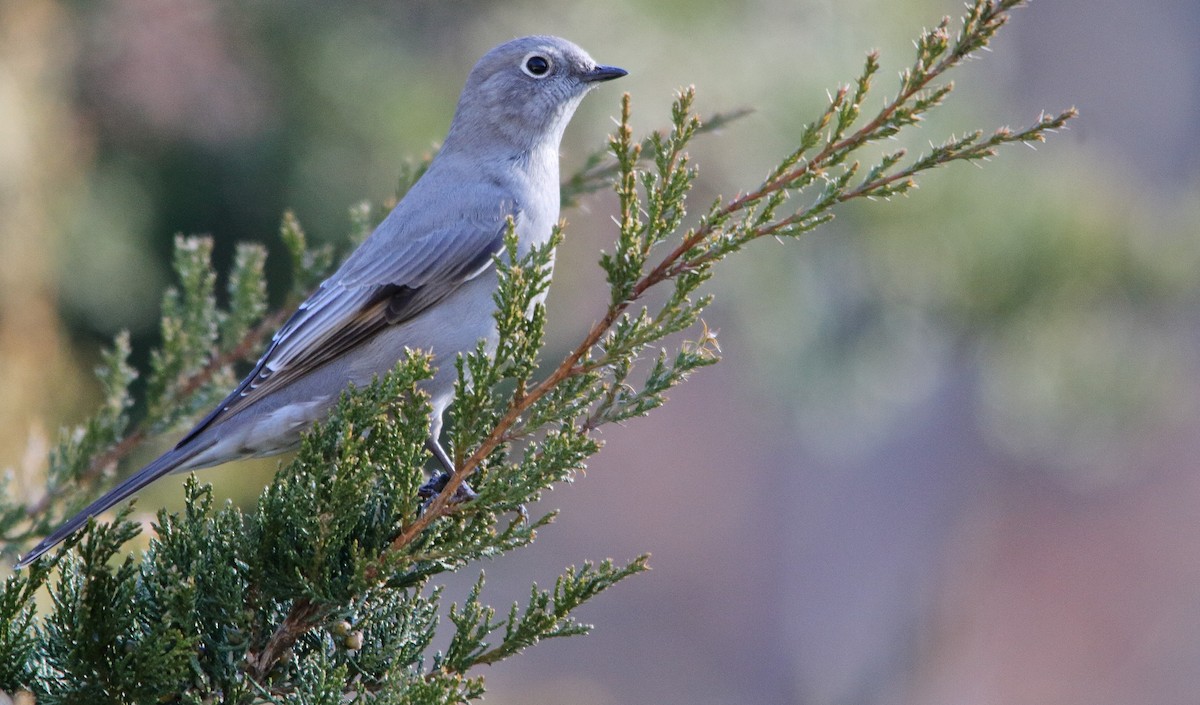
(603, 73)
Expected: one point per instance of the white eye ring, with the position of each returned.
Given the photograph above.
(536, 65)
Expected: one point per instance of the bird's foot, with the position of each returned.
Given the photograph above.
(430, 490)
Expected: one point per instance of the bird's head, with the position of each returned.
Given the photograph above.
(523, 93)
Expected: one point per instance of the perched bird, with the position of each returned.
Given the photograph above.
(423, 280)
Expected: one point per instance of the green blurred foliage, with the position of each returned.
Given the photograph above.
(1072, 324)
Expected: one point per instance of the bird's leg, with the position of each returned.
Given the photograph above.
(437, 483)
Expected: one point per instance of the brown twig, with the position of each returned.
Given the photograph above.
(304, 615)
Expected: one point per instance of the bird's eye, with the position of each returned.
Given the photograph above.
(536, 65)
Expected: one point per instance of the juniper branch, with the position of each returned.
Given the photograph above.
(599, 167)
(718, 235)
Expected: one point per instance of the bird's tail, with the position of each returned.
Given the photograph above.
(165, 463)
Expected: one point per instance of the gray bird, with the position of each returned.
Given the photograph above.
(423, 280)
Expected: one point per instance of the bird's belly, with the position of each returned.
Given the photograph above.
(454, 325)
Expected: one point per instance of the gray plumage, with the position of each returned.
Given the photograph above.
(423, 280)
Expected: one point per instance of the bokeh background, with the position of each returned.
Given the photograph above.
(951, 455)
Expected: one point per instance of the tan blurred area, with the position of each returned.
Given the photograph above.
(951, 455)
(41, 165)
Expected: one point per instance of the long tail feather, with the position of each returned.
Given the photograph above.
(165, 463)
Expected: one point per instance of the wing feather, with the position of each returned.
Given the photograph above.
(373, 289)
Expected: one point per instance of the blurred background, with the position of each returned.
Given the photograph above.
(951, 454)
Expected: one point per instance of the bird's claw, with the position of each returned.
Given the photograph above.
(430, 490)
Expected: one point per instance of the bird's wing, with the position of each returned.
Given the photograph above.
(378, 286)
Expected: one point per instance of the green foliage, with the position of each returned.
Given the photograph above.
(247, 295)
(599, 168)
(309, 266)
(353, 486)
(323, 593)
(189, 333)
(18, 636)
(92, 651)
(545, 616)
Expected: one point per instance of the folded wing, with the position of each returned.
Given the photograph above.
(381, 285)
